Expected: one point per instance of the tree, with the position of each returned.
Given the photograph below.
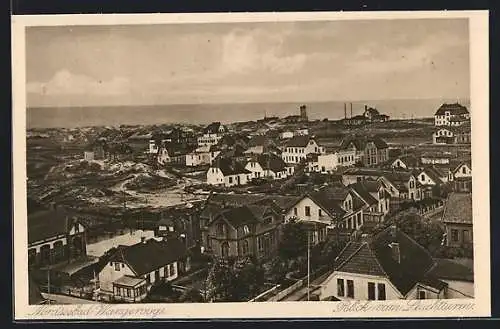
(234, 279)
(191, 296)
(294, 240)
(428, 234)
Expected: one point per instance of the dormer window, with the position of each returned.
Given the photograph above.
(246, 230)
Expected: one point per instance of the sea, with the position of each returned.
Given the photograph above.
(72, 117)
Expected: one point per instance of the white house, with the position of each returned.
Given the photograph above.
(286, 134)
(435, 158)
(330, 162)
(203, 155)
(132, 270)
(268, 165)
(298, 147)
(335, 206)
(388, 266)
(429, 177)
(451, 113)
(228, 172)
(464, 169)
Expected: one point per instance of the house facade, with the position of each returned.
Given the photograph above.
(54, 237)
(450, 113)
(132, 270)
(203, 155)
(388, 266)
(457, 218)
(269, 165)
(328, 163)
(297, 148)
(452, 135)
(248, 230)
(212, 134)
(370, 151)
(228, 172)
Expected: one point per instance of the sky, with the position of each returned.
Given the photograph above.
(247, 62)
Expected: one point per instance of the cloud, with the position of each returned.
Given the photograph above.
(66, 83)
(249, 51)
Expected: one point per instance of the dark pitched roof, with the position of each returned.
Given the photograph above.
(258, 141)
(47, 224)
(239, 216)
(449, 269)
(434, 174)
(269, 161)
(360, 142)
(230, 167)
(454, 109)
(145, 257)
(330, 202)
(409, 160)
(458, 208)
(375, 257)
(212, 128)
(363, 189)
(217, 199)
(298, 141)
(360, 258)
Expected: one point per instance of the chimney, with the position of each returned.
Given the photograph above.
(351, 110)
(395, 252)
(345, 111)
(366, 107)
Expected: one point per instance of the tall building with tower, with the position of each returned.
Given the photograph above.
(303, 113)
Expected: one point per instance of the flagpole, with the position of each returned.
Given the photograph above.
(48, 283)
(308, 262)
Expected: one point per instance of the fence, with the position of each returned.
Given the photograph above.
(263, 295)
(282, 294)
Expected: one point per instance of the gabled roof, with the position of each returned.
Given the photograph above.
(216, 200)
(270, 161)
(145, 257)
(230, 167)
(458, 208)
(459, 164)
(259, 140)
(298, 141)
(433, 174)
(409, 160)
(363, 191)
(239, 216)
(375, 257)
(46, 224)
(454, 109)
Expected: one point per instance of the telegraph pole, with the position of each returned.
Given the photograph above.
(308, 262)
(48, 283)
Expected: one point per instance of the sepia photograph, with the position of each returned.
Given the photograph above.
(322, 162)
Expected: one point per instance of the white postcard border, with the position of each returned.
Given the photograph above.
(480, 306)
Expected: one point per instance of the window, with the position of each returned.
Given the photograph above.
(244, 247)
(464, 170)
(319, 213)
(422, 178)
(465, 236)
(371, 291)
(128, 292)
(350, 288)
(340, 287)
(111, 264)
(246, 230)
(421, 294)
(220, 228)
(381, 291)
(295, 211)
(117, 266)
(454, 235)
(77, 226)
(308, 210)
